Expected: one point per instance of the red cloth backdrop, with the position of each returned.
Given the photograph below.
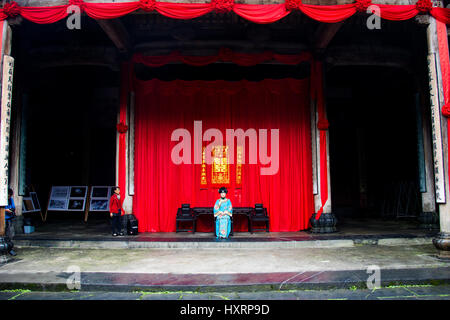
(122, 126)
(266, 13)
(162, 186)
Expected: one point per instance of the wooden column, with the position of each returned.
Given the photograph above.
(327, 207)
(428, 197)
(15, 151)
(427, 216)
(6, 37)
(327, 221)
(316, 168)
(128, 193)
(128, 203)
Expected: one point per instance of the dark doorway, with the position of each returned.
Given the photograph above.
(71, 138)
(373, 142)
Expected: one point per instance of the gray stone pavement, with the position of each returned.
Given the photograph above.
(225, 273)
(223, 260)
(418, 292)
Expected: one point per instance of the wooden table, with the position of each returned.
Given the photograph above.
(236, 211)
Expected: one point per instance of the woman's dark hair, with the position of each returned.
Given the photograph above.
(114, 188)
(223, 189)
(10, 192)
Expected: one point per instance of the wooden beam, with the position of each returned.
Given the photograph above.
(70, 62)
(208, 47)
(117, 32)
(324, 34)
(51, 56)
(366, 55)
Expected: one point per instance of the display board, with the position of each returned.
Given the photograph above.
(67, 198)
(78, 198)
(99, 199)
(31, 203)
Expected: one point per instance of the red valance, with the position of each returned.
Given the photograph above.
(224, 54)
(266, 13)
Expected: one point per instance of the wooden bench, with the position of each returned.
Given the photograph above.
(246, 211)
(195, 213)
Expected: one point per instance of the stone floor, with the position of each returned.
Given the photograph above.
(98, 228)
(224, 261)
(224, 269)
(204, 272)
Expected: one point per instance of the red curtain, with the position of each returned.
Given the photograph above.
(122, 127)
(398, 13)
(444, 60)
(329, 14)
(253, 12)
(266, 13)
(162, 186)
(441, 14)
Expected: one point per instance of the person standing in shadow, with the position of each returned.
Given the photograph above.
(116, 212)
(10, 214)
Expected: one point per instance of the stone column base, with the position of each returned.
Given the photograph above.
(428, 220)
(5, 246)
(326, 223)
(442, 243)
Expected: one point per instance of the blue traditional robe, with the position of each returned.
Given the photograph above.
(223, 223)
(10, 206)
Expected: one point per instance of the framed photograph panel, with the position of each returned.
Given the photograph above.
(64, 198)
(100, 196)
(59, 193)
(35, 200)
(78, 192)
(27, 205)
(57, 205)
(99, 205)
(76, 205)
(100, 192)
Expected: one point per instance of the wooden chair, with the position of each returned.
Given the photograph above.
(186, 214)
(259, 214)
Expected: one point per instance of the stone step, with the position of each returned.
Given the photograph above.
(241, 243)
(233, 282)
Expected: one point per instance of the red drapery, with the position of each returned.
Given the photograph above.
(253, 12)
(122, 127)
(162, 186)
(444, 57)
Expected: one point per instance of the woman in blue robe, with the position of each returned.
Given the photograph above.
(223, 212)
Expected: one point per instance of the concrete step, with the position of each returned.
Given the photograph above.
(130, 242)
(233, 282)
